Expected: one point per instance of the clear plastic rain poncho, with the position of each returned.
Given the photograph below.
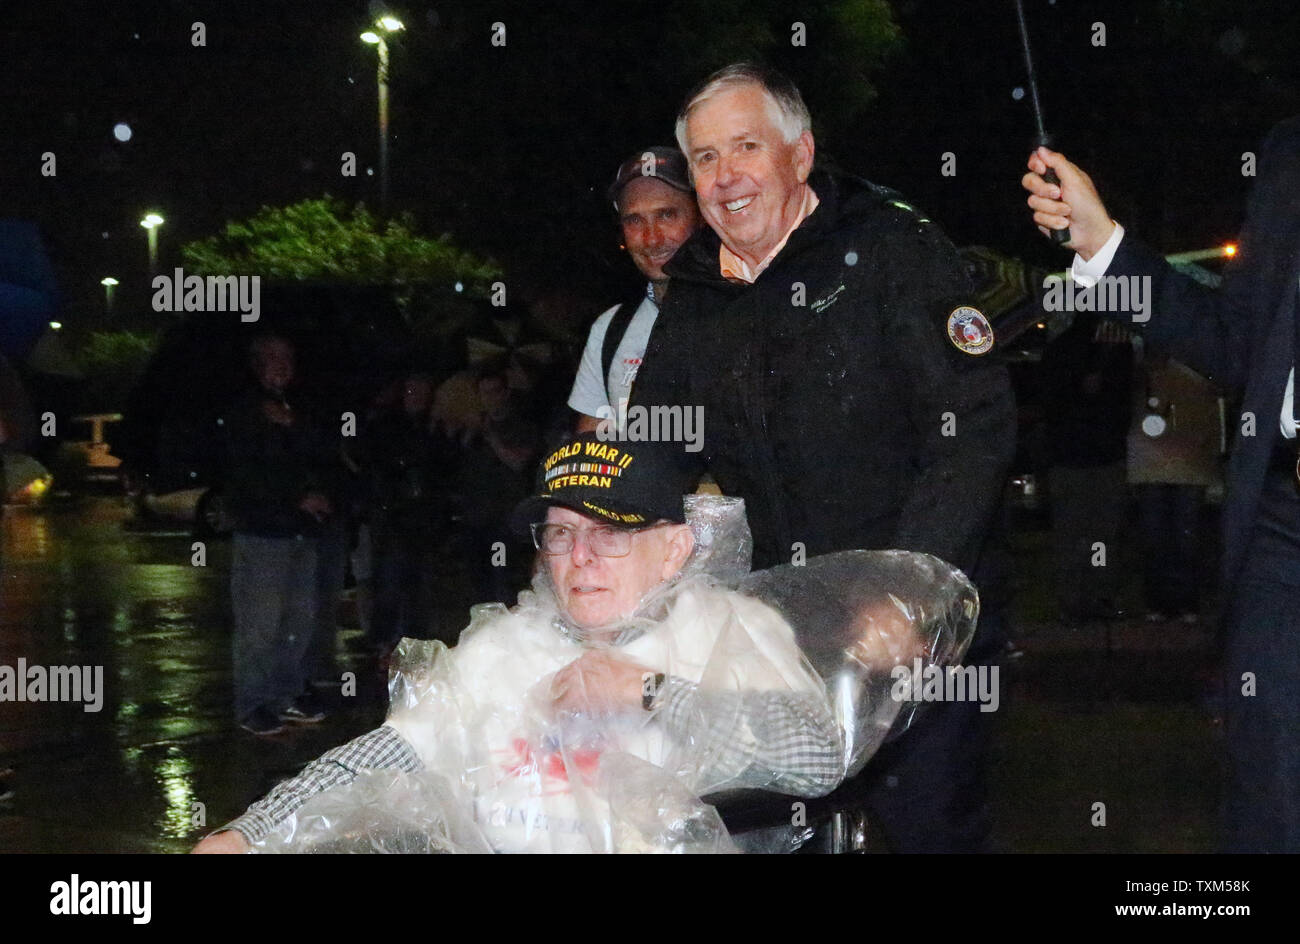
(779, 680)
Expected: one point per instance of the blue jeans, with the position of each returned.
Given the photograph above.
(331, 570)
(273, 591)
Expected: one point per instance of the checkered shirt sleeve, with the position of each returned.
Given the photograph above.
(380, 749)
(786, 742)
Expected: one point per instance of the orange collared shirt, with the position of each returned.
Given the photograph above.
(737, 269)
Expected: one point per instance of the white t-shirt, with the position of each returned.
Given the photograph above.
(591, 390)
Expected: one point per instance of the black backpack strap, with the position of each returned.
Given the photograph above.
(613, 337)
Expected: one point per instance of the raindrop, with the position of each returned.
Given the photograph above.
(851, 258)
(122, 131)
(1018, 93)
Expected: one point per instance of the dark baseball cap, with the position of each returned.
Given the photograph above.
(664, 163)
(630, 484)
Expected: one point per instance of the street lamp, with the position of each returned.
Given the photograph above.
(108, 282)
(151, 222)
(392, 25)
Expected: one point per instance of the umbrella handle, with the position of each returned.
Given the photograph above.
(1059, 236)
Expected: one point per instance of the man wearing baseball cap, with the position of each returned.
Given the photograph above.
(656, 208)
(623, 686)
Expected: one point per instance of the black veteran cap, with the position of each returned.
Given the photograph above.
(663, 163)
(624, 483)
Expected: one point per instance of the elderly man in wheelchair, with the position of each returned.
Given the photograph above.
(645, 671)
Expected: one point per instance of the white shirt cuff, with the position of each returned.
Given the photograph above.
(1289, 430)
(1087, 273)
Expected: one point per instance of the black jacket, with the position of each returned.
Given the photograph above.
(1242, 336)
(273, 467)
(408, 471)
(1087, 392)
(833, 400)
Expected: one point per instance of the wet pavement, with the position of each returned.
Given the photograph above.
(1115, 713)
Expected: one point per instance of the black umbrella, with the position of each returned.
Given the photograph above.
(1042, 139)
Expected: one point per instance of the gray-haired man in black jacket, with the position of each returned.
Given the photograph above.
(823, 329)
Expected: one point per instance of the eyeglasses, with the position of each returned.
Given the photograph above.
(603, 540)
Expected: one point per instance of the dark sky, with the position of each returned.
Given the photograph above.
(260, 115)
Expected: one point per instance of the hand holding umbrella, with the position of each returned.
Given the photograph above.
(1042, 139)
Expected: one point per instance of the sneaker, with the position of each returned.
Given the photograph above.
(304, 709)
(262, 722)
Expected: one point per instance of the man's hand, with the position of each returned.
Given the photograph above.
(316, 505)
(1073, 203)
(886, 637)
(230, 842)
(598, 683)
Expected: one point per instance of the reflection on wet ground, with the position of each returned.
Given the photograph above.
(162, 755)
(1111, 713)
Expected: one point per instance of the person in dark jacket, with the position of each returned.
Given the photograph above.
(496, 454)
(407, 469)
(823, 331)
(1087, 374)
(282, 488)
(1245, 338)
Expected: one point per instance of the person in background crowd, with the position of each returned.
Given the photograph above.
(283, 486)
(1087, 373)
(1175, 453)
(407, 469)
(656, 210)
(497, 452)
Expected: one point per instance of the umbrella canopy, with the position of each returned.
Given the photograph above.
(28, 293)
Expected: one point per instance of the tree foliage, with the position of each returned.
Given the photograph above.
(111, 362)
(325, 240)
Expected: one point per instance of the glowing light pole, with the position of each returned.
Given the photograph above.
(151, 222)
(109, 283)
(391, 25)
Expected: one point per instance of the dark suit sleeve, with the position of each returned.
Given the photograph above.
(1210, 330)
(960, 405)
(1202, 327)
